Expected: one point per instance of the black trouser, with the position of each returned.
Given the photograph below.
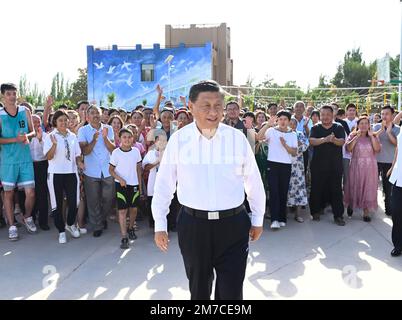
(386, 185)
(214, 244)
(65, 184)
(40, 210)
(173, 210)
(278, 182)
(396, 210)
(326, 186)
(150, 217)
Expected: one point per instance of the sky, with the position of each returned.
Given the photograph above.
(284, 40)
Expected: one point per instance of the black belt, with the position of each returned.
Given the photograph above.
(213, 215)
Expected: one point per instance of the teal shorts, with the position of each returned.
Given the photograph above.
(18, 174)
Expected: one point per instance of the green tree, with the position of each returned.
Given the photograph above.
(79, 88)
(111, 97)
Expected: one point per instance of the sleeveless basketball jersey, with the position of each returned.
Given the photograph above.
(11, 126)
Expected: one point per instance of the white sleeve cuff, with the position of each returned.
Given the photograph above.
(257, 220)
(161, 225)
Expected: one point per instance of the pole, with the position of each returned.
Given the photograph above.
(169, 76)
(400, 68)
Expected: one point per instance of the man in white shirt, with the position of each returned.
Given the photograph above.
(212, 165)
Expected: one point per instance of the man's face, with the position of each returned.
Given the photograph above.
(105, 116)
(351, 113)
(207, 110)
(299, 110)
(10, 97)
(326, 116)
(232, 111)
(273, 110)
(386, 115)
(94, 116)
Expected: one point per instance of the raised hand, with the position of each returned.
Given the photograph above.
(53, 139)
(49, 102)
(272, 121)
(152, 121)
(159, 89)
(104, 132)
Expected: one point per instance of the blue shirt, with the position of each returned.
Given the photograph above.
(97, 162)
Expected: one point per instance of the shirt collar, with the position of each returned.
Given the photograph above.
(101, 126)
(198, 134)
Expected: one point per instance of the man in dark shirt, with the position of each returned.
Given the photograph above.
(327, 139)
(340, 114)
(233, 117)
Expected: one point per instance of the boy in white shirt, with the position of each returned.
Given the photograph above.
(125, 168)
(151, 163)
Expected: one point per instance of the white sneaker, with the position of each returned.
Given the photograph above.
(282, 224)
(30, 225)
(13, 233)
(62, 237)
(75, 233)
(83, 230)
(275, 225)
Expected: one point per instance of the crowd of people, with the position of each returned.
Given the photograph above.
(92, 164)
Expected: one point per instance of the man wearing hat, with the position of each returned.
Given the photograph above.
(213, 166)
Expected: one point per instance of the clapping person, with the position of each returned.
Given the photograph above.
(62, 149)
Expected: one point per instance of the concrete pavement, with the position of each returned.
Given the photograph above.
(311, 260)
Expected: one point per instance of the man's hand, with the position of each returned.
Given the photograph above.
(49, 102)
(159, 90)
(104, 132)
(255, 233)
(96, 135)
(161, 240)
(122, 182)
(22, 138)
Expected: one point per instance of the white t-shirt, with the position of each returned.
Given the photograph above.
(37, 148)
(351, 123)
(151, 157)
(276, 151)
(125, 163)
(67, 150)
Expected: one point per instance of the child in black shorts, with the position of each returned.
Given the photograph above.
(125, 168)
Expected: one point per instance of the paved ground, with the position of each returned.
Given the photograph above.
(313, 260)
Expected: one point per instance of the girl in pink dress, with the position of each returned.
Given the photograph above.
(361, 187)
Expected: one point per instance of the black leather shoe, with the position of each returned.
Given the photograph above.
(396, 252)
(349, 211)
(105, 224)
(98, 233)
(339, 221)
(316, 217)
(44, 227)
(366, 219)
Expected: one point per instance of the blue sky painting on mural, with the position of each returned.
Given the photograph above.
(119, 71)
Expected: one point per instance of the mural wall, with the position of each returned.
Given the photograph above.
(123, 72)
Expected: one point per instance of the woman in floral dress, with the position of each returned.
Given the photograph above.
(297, 195)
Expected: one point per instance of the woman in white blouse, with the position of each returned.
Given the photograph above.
(62, 149)
(395, 179)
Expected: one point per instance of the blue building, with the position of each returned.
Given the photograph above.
(133, 74)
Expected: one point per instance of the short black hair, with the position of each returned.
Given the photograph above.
(351, 105)
(388, 107)
(315, 112)
(8, 87)
(285, 113)
(204, 86)
(1, 105)
(232, 102)
(79, 103)
(340, 112)
(327, 107)
(63, 106)
(113, 110)
(249, 114)
(59, 113)
(272, 104)
(140, 106)
(125, 130)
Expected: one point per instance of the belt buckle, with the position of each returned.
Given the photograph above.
(213, 215)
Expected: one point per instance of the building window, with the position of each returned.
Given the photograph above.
(147, 72)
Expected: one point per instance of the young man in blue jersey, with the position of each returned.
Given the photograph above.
(16, 166)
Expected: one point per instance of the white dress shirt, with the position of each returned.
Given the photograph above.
(396, 176)
(211, 174)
